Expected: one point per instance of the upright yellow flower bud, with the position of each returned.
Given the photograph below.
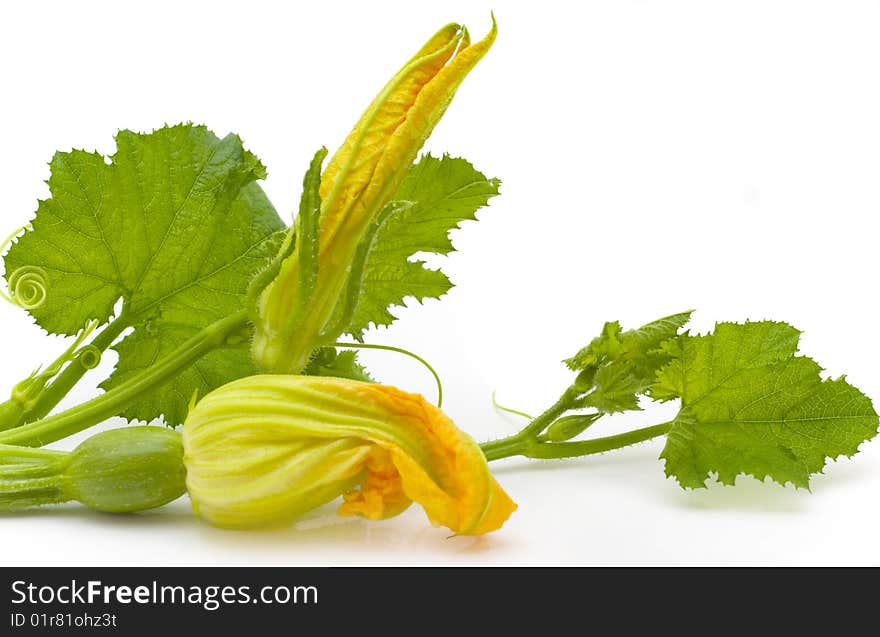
(358, 182)
(262, 450)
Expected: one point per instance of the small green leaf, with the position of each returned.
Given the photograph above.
(613, 343)
(618, 387)
(330, 362)
(621, 366)
(750, 405)
(444, 192)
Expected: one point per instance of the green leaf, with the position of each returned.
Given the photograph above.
(623, 365)
(174, 225)
(617, 388)
(330, 362)
(444, 192)
(632, 344)
(750, 405)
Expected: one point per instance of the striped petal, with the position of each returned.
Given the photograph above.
(262, 450)
(357, 183)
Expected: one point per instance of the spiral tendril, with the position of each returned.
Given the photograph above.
(89, 357)
(73, 352)
(27, 287)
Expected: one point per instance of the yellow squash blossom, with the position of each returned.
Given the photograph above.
(262, 450)
(358, 182)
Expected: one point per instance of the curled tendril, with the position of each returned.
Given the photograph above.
(509, 410)
(72, 352)
(27, 287)
(400, 350)
(89, 357)
(27, 284)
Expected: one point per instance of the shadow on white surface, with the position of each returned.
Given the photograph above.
(325, 530)
(159, 517)
(307, 541)
(768, 496)
(639, 469)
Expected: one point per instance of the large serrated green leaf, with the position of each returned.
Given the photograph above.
(444, 192)
(174, 225)
(750, 405)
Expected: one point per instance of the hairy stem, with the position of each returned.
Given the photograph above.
(543, 421)
(531, 448)
(505, 447)
(531, 443)
(30, 477)
(22, 494)
(10, 454)
(66, 380)
(105, 406)
(511, 445)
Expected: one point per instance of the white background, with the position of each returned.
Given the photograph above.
(655, 157)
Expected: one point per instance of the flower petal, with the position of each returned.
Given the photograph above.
(264, 449)
(351, 167)
(369, 166)
(449, 477)
(358, 182)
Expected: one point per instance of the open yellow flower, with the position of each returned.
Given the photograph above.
(358, 182)
(262, 450)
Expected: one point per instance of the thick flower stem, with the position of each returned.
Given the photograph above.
(105, 406)
(531, 447)
(10, 454)
(21, 494)
(532, 444)
(513, 445)
(505, 447)
(30, 477)
(543, 421)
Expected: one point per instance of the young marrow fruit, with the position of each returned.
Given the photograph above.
(117, 471)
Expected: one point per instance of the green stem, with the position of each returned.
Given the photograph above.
(532, 444)
(505, 447)
(21, 494)
(543, 421)
(515, 444)
(66, 380)
(511, 445)
(15, 453)
(30, 477)
(11, 413)
(105, 406)
(529, 447)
